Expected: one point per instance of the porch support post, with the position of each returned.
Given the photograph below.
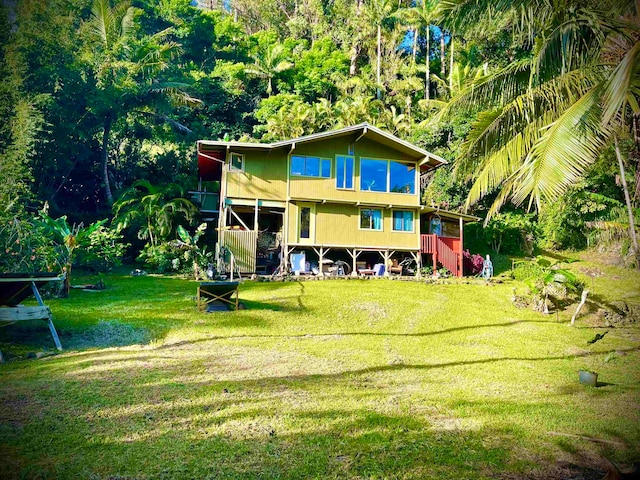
(417, 256)
(320, 253)
(435, 254)
(460, 255)
(354, 257)
(255, 216)
(386, 263)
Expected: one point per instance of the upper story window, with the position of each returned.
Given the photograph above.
(387, 176)
(310, 166)
(344, 172)
(402, 221)
(236, 163)
(402, 177)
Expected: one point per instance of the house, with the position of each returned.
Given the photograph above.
(351, 194)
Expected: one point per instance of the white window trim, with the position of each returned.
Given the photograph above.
(353, 174)
(381, 229)
(231, 167)
(416, 178)
(293, 175)
(413, 220)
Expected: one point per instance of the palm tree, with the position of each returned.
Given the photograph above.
(152, 210)
(268, 63)
(125, 70)
(378, 11)
(421, 16)
(549, 117)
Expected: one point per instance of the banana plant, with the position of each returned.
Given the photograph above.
(67, 239)
(549, 282)
(189, 243)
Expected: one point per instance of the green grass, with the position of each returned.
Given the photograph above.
(334, 379)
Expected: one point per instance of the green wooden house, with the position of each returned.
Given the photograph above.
(351, 194)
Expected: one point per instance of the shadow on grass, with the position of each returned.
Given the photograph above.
(118, 423)
(231, 322)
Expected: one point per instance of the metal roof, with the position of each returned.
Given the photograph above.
(364, 129)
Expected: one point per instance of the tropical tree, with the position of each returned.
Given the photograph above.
(125, 69)
(422, 15)
(67, 238)
(156, 212)
(268, 63)
(377, 12)
(548, 117)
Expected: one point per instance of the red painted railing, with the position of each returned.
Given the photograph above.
(447, 257)
(428, 243)
(444, 254)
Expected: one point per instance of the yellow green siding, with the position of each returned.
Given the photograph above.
(325, 188)
(337, 224)
(264, 177)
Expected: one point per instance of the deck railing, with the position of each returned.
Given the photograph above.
(447, 257)
(444, 254)
(428, 243)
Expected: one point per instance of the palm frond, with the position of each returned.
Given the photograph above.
(497, 88)
(564, 152)
(497, 127)
(623, 86)
(100, 20)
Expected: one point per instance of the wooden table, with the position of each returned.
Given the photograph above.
(16, 287)
(218, 291)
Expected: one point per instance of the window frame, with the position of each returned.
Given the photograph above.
(231, 167)
(322, 159)
(360, 227)
(413, 220)
(353, 172)
(416, 179)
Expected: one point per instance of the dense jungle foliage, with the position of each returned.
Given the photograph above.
(534, 104)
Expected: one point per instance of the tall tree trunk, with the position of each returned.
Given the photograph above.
(355, 52)
(451, 69)
(427, 72)
(355, 49)
(415, 44)
(627, 199)
(105, 157)
(442, 54)
(379, 93)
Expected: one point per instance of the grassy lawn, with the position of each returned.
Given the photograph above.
(337, 379)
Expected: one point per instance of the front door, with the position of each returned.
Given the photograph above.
(306, 222)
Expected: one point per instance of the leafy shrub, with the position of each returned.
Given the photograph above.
(548, 283)
(511, 232)
(26, 248)
(182, 255)
(159, 257)
(103, 251)
(472, 264)
(427, 271)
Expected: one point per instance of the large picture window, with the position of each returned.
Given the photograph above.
(371, 218)
(403, 221)
(310, 166)
(373, 175)
(344, 171)
(387, 176)
(402, 177)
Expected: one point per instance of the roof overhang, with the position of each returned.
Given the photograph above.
(451, 215)
(427, 160)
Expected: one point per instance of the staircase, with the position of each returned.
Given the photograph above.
(441, 252)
